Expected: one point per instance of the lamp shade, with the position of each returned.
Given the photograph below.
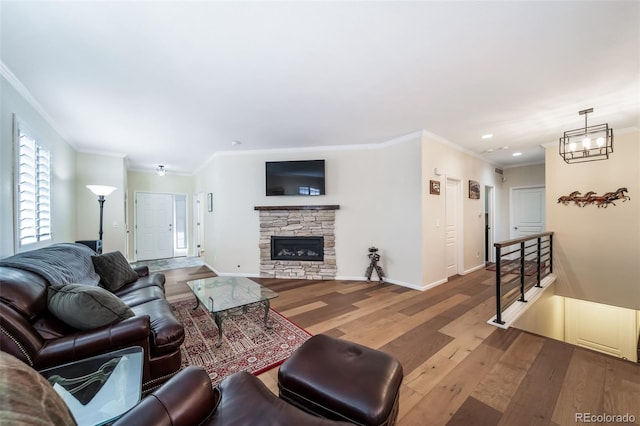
(101, 189)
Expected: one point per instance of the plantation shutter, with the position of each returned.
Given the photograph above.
(34, 191)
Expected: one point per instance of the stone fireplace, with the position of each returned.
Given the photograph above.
(297, 242)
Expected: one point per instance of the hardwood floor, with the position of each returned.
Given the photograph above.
(458, 369)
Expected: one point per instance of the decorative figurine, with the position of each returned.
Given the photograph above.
(375, 257)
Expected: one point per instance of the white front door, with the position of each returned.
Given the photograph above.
(154, 226)
(528, 211)
(452, 222)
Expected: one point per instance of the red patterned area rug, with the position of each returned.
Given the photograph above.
(246, 344)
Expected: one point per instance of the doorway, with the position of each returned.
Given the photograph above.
(198, 220)
(489, 234)
(453, 226)
(527, 211)
(160, 226)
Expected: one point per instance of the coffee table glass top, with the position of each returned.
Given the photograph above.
(99, 389)
(219, 294)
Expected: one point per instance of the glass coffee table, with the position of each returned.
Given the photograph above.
(99, 389)
(222, 296)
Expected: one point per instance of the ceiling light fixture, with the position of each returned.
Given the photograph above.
(587, 144)
(487, 136)
(161, 171)
(516, 154)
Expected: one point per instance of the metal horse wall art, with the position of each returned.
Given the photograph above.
(593, 198)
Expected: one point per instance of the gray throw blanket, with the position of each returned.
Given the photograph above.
(63, 263)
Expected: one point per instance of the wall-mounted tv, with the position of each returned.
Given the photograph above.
(295, 177)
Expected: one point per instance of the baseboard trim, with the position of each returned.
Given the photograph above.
(475, 268)
(435, 284)
(337, 278)
(229, 274)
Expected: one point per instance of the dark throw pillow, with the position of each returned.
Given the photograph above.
(86, 307)
(114, 270)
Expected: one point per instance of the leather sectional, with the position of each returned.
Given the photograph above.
(30, 332)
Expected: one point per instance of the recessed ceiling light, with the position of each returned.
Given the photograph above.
(487, 136)
(234, 143)
(516, 154)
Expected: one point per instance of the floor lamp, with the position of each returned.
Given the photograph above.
(101, 191)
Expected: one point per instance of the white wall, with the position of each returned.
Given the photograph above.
(377, 188)
(101, 170)
(597, 250)
(397, 200)
(546, 316)
(453, 163)
(63, 168)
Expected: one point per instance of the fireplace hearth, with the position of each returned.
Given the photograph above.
(297, 248)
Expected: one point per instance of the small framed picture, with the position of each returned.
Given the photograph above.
(434, 187)
(474, 190)
(210, 202)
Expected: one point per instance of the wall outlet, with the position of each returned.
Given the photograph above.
(477, 253)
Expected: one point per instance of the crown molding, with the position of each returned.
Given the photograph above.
(170, 172)
(351, 147)
(439, 139)
(102, 153)
(31, 100)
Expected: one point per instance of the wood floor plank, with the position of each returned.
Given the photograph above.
(439, 405)
(302, 309)
(360, 328)
(475, 413)
(535, 399)
(408, 400)
(502, 339)
(582, 389)
(414, 348)
(501, 383)
(622, 388)
(427, 375)
(474, 321)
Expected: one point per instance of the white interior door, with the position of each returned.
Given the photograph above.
(452, 226)
(528, 211)
(603, 328)
(154, 226)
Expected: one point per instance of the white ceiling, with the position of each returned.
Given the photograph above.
(175, 82)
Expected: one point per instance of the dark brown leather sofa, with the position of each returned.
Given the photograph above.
(33, 334)
(241, 399)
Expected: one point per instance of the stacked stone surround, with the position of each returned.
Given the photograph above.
(298, 221)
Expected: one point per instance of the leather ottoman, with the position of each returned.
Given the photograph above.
(341, 380)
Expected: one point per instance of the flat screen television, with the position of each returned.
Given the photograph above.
(295, 177)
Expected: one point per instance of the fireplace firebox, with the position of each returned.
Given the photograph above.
(297, 248)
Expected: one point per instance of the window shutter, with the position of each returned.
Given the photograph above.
(34, 191)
